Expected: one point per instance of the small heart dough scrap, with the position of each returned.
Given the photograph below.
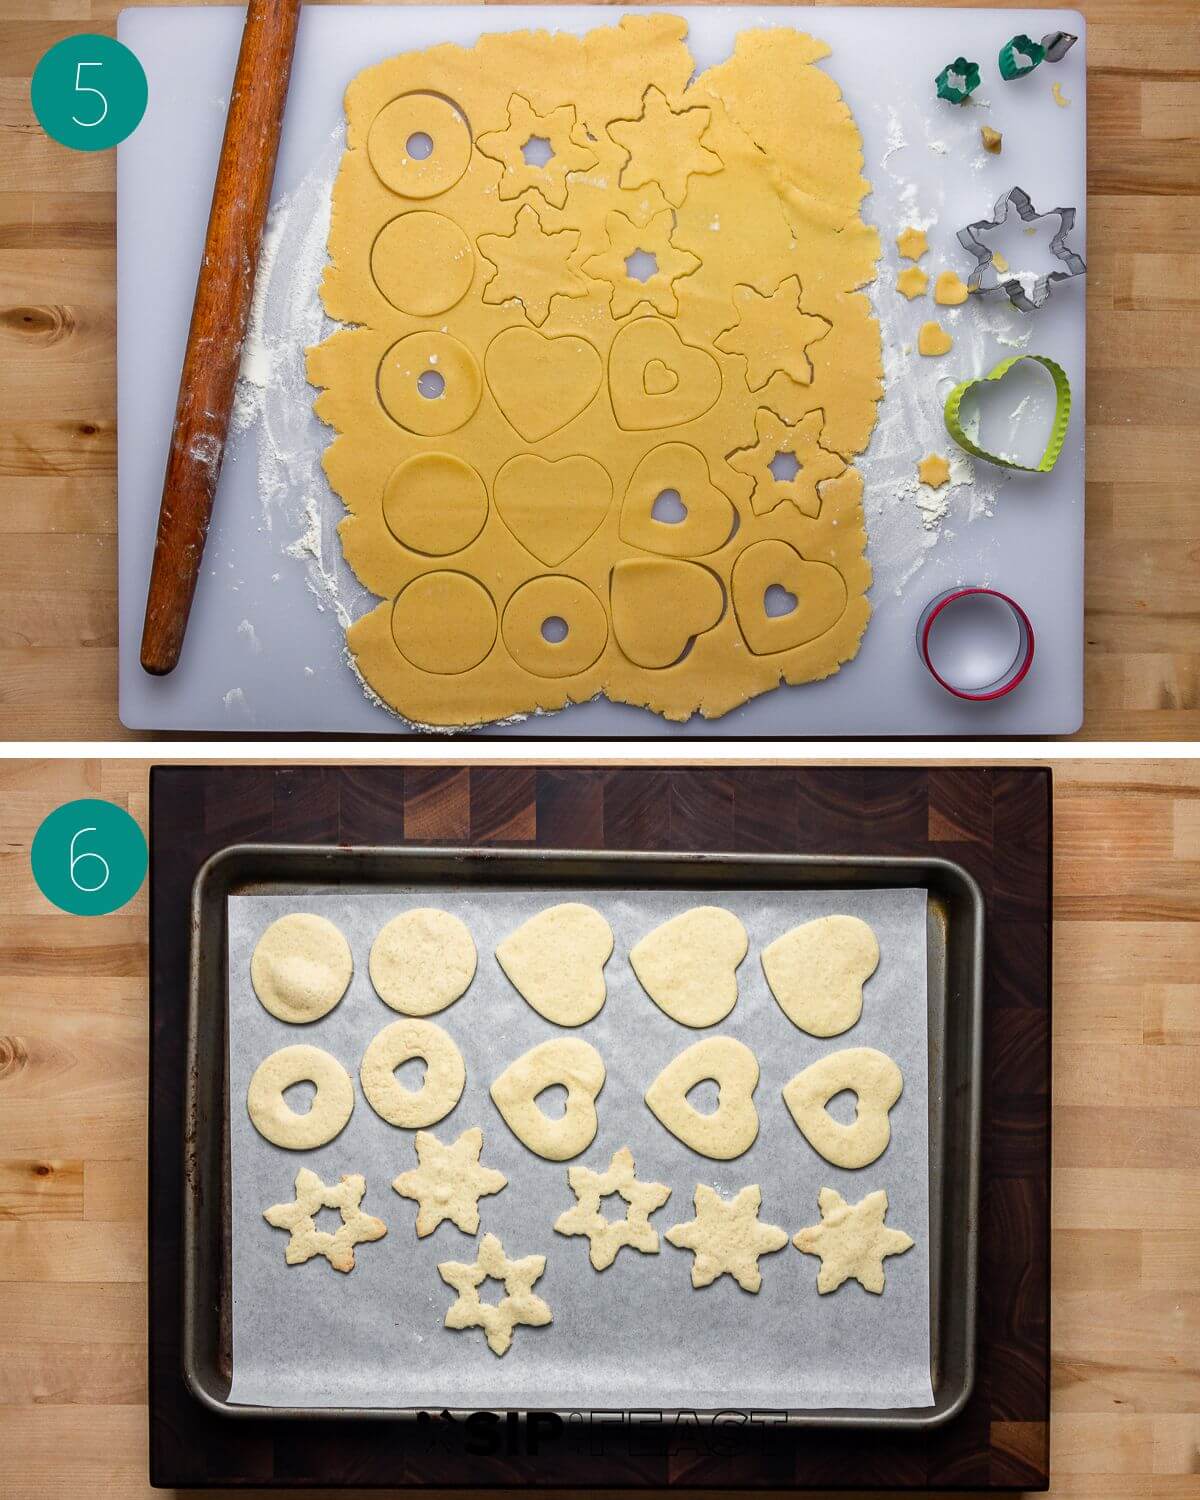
(817, 972)
(852, 1241)
(877, 1082)
(606, 1236)
(422, 961)
(307, 1240)
(726, 1237)
(950, 290)
(449, 1181)
(569, 1062)
(732, 1128)
(445, 1074)
(688, 966)
(933, 340)
(519, 1305)
(556, 960)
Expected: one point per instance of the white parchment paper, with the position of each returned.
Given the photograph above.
(637, 1334)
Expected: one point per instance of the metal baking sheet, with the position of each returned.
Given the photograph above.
(380, 1329)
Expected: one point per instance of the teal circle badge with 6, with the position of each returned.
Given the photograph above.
(89, 857)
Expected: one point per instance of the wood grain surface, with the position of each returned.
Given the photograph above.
(1126, 1051)
(58, 632)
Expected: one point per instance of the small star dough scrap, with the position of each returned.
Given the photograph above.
(300, 967)
(688, 966)
(817, 972)
(875, 1080)
(950, 290)
(934, 471)
(572, 1064)
(556, 960)
(992, 140)
(726, 1237)
(732, 1128)
(608, 1235)
(665, 146)
(441, 1089)
(449, 1182)
(274, 1118)
(933, 340)
(519, 1305)
(307, 1240)
(422, 961)
(912, 282)
(852, 1241)
(912, 243)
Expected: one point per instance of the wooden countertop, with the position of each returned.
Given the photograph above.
(1126, 1183)
(58, 552)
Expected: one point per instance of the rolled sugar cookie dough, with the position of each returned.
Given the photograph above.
(688, 966)
(733, 1127)
(877, 1082)
(852, 1241)
(556, 960)
(577, 1067)
(817, 972)
(422, 961)
(445, 1074)
(300, 967)
(274, 1118)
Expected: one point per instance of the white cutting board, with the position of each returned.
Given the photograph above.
(265, 650)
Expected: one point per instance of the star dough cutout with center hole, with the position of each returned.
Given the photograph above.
(299, 1217)
(772, 333)
(564, 136)
(802, 441)
(608, 1235)
(726, 1237)
(625, 237)
(664, 146)
(532, 265)
(449, 1181)
(852, 1241)
(520, 1304)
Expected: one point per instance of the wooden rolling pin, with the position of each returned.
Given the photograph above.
(224, 290)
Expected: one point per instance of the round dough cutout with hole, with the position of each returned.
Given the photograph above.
(419, 145)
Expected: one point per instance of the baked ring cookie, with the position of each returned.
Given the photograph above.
(422, 961)
(566, 1061)
(445, 1074)
(876, 1081)
(301, 967)
(732, 1128)
(274, 1118)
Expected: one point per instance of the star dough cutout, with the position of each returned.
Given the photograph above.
(664, 146)
(852, 1241)
(307, 1240)
(606, 1235)
(564, 137)
(726, 1237)
(911, 243)
(653, 238)
(519, 1304)
(532, 265)
(934, 471)
(449, 1181)
(912, 282)
(776, 438)
(772, 333)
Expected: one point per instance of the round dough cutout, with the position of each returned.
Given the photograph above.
(301, 967)
(554, 627)
(419, 145)
(277, 1121)
(429, 383)
(445, 1074)
(444, 623)
(434, 503)
(422, 961)
(422, 262)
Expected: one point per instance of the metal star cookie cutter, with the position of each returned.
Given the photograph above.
(1031, 298)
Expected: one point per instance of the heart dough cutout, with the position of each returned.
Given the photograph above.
(688, 966)
(568, 1061)
(658, 606)
(817, 972)
(818, 587)
(541, 383)
(1058, 429)
(877, 1082)
(552, 507)
(643, 355)
(708, 523)
(556, 960)
(733, 1127)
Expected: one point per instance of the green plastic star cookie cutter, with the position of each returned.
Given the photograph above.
(1019, 57)
(957, 80)
(1058, 431)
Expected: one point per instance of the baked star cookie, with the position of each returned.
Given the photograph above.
(726, 1237)
(449, 1181)
(608, 1235)
(519, 1304)
(299, 1216)
(852, 1241)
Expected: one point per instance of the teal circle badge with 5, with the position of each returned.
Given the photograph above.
(89, 857)
(88, 92)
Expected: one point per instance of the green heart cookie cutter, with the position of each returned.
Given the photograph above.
(1062, 414)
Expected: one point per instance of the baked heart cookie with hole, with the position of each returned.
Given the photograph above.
(876, 1082)
(688, 965)
(732, 1128)
(566, 1062)
(817, 972)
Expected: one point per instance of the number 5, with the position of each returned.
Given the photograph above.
(85, 88)
(78, 859)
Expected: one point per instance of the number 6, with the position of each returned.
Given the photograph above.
(86, 88)
(78, 859)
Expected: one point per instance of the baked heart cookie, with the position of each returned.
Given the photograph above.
(556, 960)
(688, 965)
(876, 1081)
(817, 972)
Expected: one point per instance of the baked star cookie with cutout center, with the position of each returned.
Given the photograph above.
(726, 1237)
(299, 1217)
(449, 1181)
(519, 1305)
(608, 1235)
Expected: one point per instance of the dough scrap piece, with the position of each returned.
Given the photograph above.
(817, 971)
(274, 1118)
(556, 960)
(932, 340)
(569, 1062)
(732, 1128)
(606, 1236)
(911, 243)
(688, 965)
(991, 140)
(934, 470)
(519, 1305)
(312, 1195)
(449, 1181)
(852, 1241)
(950, 290)
(877, 1083)
(301, 967)
(726, 1237)
(422, 961)
(445, 1074)
(912, 282)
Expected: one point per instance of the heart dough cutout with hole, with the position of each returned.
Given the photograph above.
(1058, 426)
(556, 960)
(574, 1065)
(732, 1128)
(818, 588)
(708, 523)
(817, 972)
(688, 966)
(552, 507)
(541, 383)
(877, 1082)
(644, 356)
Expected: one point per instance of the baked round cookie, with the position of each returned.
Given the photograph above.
(274, 1118)
(422, 961)
(301, 967)
(445, 1074)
